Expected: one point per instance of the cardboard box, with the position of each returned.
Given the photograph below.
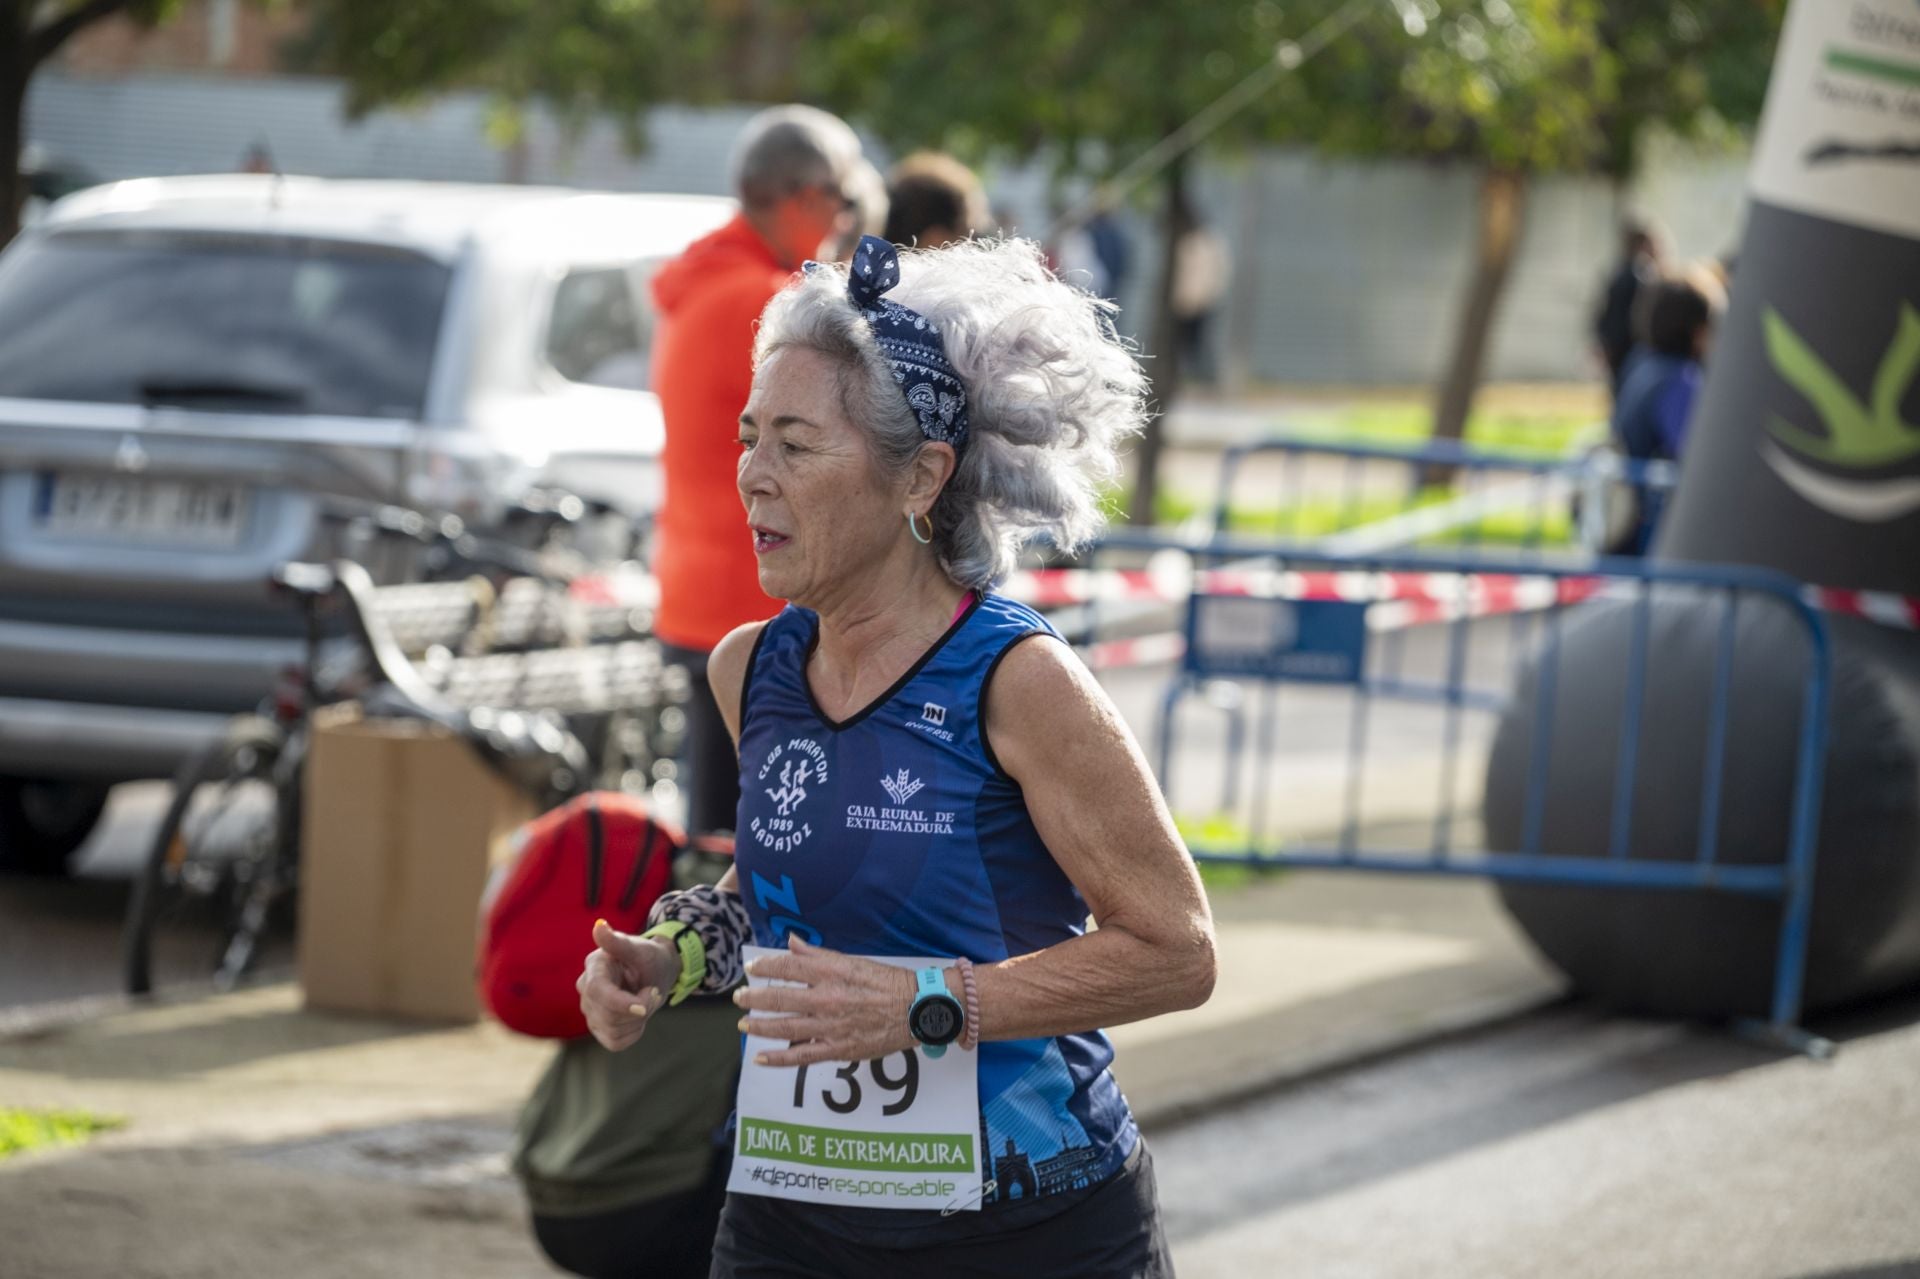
(402, 823)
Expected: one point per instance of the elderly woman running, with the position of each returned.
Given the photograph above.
(934, 795)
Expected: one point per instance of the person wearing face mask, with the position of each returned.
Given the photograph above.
(794, 170)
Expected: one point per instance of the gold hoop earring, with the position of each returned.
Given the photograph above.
(914, 528)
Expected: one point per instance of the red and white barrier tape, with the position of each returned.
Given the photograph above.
(1399, 600)
(1436, 596)
(1143, 650)
(1390, 615)
(1476, 592)
(1884, 607)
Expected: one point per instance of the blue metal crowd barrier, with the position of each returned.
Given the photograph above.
(1255, 622)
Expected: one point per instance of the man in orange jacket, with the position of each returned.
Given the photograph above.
(791, 169)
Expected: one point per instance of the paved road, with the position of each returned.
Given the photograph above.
(1567, 1145)
(1294, 764)
(60, 938)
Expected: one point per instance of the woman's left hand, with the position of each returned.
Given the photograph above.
(844, 1009)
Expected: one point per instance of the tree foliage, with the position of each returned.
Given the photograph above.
(1508, 84)
(1691, 68)
(580, 58)
(1535, 86)
(1532, 86)
(1087, 82)
(1509, 88)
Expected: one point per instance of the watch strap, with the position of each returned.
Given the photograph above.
(693, 956)
(930, 983)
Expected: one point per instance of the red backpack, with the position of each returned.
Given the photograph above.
(601, 856)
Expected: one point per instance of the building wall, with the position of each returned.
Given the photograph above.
(159, 125)
(237, 37)
(1343, 272)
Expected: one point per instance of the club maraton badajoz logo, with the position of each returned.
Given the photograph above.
(1861, 436)
(788, 776)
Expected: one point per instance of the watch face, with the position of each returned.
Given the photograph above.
(936, 1020)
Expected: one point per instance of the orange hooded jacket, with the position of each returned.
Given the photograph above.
(709, 300)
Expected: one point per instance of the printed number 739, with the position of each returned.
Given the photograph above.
(907, 1085)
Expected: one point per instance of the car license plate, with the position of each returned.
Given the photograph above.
(125, 508)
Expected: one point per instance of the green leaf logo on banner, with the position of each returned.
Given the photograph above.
(1859, 436)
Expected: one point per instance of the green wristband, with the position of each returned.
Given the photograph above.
(693, 955)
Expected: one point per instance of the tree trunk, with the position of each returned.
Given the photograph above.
(14, 72)
(1164, 347)
(1503, 206)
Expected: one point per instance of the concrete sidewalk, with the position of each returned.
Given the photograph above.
(260, 1138)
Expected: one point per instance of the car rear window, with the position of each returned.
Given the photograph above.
(219, 321)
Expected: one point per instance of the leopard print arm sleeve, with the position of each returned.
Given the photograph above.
(720, 919)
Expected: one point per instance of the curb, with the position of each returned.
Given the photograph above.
(1469, 1019)
(25, 1022)
(32, 1021)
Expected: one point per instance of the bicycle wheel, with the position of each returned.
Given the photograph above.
(218, 841)
(269, 881)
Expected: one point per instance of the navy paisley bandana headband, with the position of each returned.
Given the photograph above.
(909, 341)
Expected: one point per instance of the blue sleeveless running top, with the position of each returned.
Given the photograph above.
(896, 832)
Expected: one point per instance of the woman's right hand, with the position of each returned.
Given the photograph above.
(626, 980)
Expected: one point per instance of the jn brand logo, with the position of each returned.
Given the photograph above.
(933, 713)
(900, 787)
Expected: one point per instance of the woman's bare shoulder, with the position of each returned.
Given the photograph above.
(727, 670)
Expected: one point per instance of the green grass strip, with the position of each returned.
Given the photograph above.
(1545, 433)
(1223, 835)
(1318, 517)
(24, 1130)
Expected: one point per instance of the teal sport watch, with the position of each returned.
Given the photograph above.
(936, 1018)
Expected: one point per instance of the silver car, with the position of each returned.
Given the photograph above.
(191, 369)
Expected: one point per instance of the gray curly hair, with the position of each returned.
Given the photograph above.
(1051, 393)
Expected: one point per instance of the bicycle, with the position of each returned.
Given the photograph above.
(226, 854)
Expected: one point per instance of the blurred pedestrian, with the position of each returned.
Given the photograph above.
(1675, 323)
(932, 200)
(793, 169)
(1200, 273)
(1641, 259)
(1111, 246)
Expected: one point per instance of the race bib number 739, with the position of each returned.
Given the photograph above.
(902, 1131)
